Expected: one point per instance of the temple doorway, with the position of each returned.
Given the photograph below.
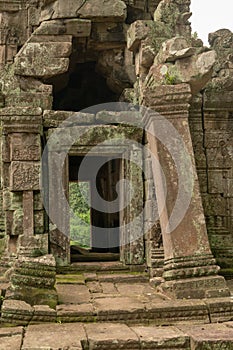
(94, 227)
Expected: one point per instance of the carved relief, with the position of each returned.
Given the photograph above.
(25, 146)
(24, 176)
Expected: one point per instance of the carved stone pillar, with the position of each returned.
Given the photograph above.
(189, 269)
(21, 153)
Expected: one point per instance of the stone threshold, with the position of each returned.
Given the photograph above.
(109, 336)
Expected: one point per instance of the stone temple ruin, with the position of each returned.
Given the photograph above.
(60, 57)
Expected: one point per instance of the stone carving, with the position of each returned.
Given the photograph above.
(25, 146)
(24, 176)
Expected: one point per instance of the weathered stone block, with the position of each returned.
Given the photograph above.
(216, 182)
(39, 222)
(43, 59)
(164, 338)
(102, 10)
(24, 176)
(96, 10)
(137, 32)
(60, 9)
(108, 32)
(42, 67)
(38, 202)
(110, 336)
(17, 227)
(27, 99)
(25, 146)
(78, 27)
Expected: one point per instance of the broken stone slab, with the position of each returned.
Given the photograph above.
(173, 49)
(136, 33)
(16, 312)
(195, 70)
(75, 27)
(162, 337)
(64, 336)
(96, 10)
(110, 336)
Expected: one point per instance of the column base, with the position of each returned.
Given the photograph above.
(196, 288)
(193, 277)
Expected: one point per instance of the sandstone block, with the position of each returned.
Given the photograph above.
(25, 146)
(174, 49)
(64, 336)
(78, 27)
(104, 10)
(41, 67)
(43, 59)
(60, 9)
(24, 176)
(137, 32)
(75, 27)
(110, 336)
(96, 10)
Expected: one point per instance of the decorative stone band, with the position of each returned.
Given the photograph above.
(193, 266)
(21, 120)
(170, 100)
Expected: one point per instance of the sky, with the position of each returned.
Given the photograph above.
(211, 15)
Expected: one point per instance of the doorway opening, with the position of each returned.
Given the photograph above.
(94, 231)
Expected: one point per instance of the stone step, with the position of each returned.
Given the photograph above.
(133, 311)
(110, 336)
(92, 267)
(123, 277)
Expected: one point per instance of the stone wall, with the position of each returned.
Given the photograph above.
(130, 43)
(211, 123)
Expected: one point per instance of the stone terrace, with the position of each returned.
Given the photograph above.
(118, 310)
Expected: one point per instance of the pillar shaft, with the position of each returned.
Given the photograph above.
(189, 267)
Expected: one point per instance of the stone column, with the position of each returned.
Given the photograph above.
(21, 163)
(189, 269)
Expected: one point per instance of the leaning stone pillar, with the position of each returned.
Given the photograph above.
(190, 270)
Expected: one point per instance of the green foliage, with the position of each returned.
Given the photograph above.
(80, 224)
(195, 35)
(170, 79)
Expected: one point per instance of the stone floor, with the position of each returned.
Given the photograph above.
(107, 336)
(121, 310)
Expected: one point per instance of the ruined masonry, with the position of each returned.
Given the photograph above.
(60, 57)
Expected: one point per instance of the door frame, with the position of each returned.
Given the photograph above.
(108, 140)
